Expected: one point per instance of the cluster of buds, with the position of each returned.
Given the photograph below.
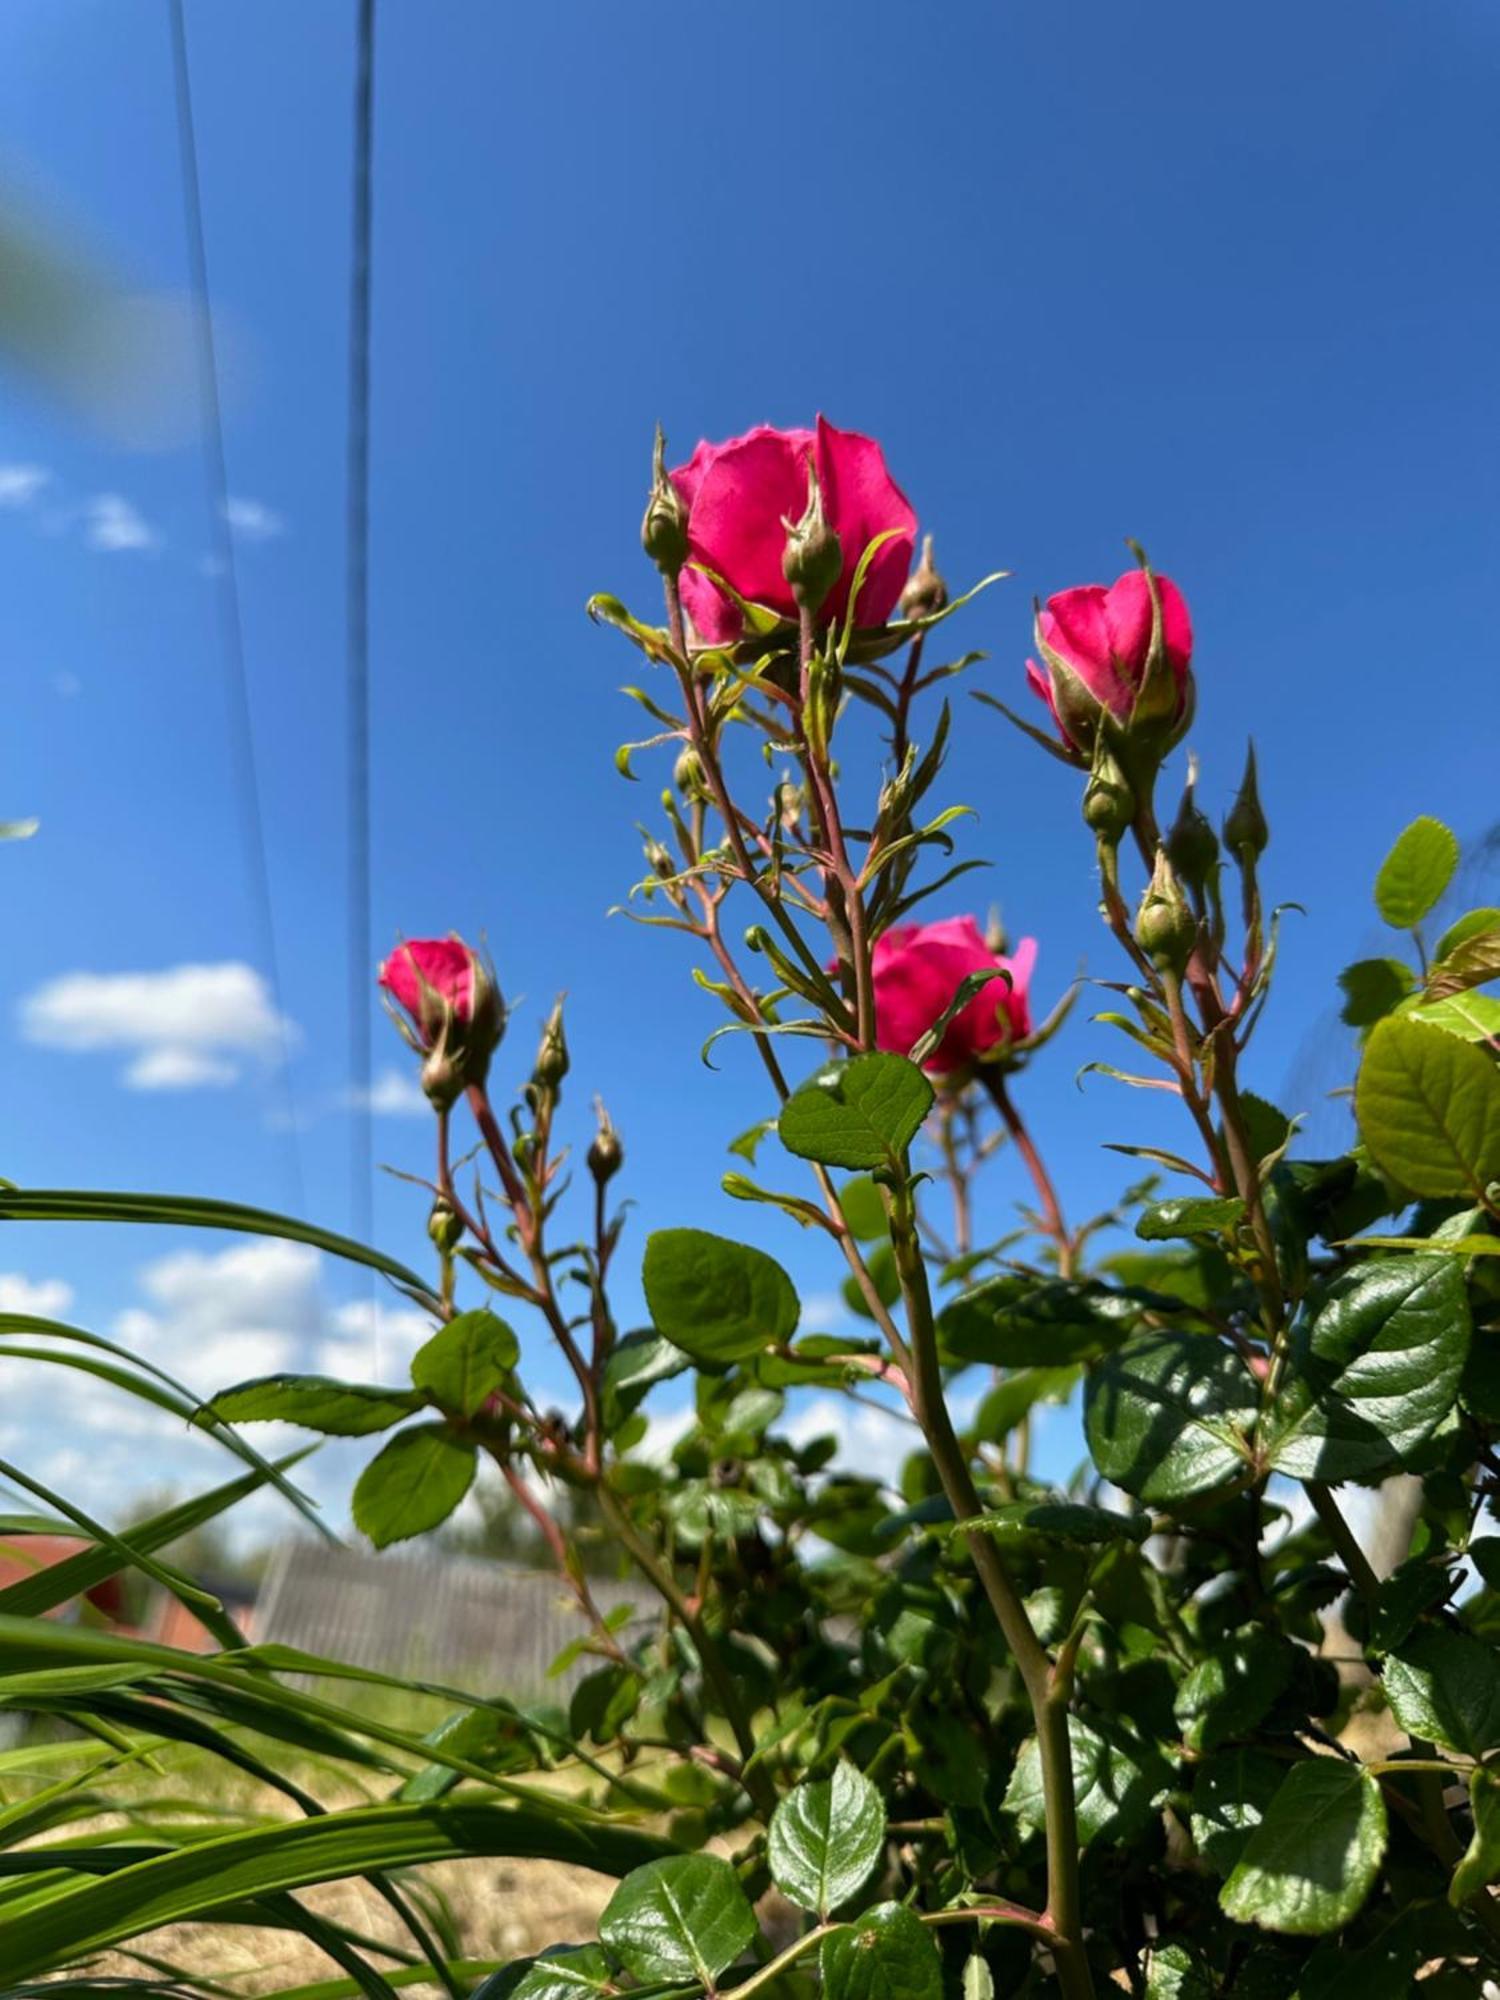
(454, 1014)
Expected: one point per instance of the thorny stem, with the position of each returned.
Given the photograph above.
(843, 872)
(1046, 1688)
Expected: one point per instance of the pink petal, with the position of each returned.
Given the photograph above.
(735, 525)
(1128, 614)
(862, 501)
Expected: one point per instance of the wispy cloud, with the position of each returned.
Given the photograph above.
(114, 525)
(253, 520)
(395, 1093)
(20, 485)
(182, 1028)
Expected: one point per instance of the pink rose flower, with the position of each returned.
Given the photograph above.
(738, 497)
(1104, 636)
(919, 967)
(457, 1014)
(429, 976)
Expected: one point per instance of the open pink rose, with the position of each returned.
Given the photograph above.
(1104, 636)
(919, 967)
(738, 498)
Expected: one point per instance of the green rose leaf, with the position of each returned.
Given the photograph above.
(412, 1484)
(860, 1114)
(1480, 1865)
(567, 1975)
(1067, 1521)
(716, 1300)
(1116, 1785)
(1415, 873)
(682, 1918)
(1312, 1861)
(1376, 1371)
(1445, 1685)
(1172, 1973)
(1189, 1215)
(1226, 1693)
(318, 1403)
(1428, 1106)
(1167, 1415)
(825, 1839)
(1010, 1322)
(1373, 988)
(466, 1361)
(1011, 1399)
(1231, 1795)
(884, 1955)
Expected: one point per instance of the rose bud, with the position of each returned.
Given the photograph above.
(456, 1014)
(1165, 928)
(918, 968)
(664, 529)
(1111, 665)
(812, 560)
(925, 593)
(739, 494)
(606, 1155)
(1246, 833)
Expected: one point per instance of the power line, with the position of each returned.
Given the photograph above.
(227, 590)
(357, 637)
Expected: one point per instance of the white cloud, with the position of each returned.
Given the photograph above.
(112, 525)
(395, 1093)
(21, 484)
(215, 1317)
(43, 1298)
(253, 520)
(183, 1027)
(369, 1337)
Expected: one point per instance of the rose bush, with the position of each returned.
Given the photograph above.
(1164, 1727)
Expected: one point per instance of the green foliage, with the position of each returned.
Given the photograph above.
(825, 1839)
(412, 1484)
(465, 1362)
(718, 1301)
(1312, 1861)
(1168, 1416)
(886, 1955)
(1415, 873)
(860, 1114)
(316, 1402)
(685, 1918)
(1429, 1109)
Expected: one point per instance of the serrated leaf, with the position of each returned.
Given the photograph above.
(1312, 1861)
(1228, 1691)
(466, 1361)
(1190, 1215)
(717, 1300)
(682, 1918)
(564, 1975)
(412, 1484)
(1373, 988)
(1428, 1106)
(316, 1402)
(1475, 961)
(886, 1954)
(825, 1839)
(859, 1114)
(1116, 1785)
(1375, 1372)
(1232, 1791)
(1009, 1322)
(1473, 1017)
(1415, 873)
(1168, 1416)
(1444, 1685)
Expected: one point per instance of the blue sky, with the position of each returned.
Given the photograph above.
(1217, 278)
